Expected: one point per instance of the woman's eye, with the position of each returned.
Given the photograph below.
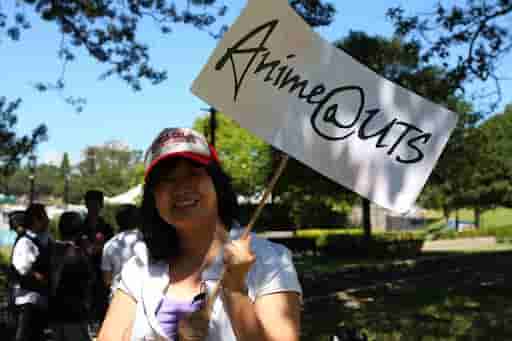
(197, 171)
(167, 180)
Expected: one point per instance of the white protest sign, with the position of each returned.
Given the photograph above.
(286, 84)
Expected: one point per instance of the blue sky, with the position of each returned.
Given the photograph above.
(113, 110)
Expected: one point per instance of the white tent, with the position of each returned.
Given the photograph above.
(128, 197)
(56, 211)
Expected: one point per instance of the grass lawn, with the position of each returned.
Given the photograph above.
(498, 217)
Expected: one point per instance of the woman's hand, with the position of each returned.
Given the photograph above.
(40, 278)
(238, 259)
(183, 319)
(193, 326)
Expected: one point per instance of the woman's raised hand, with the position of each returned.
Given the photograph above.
(194, 326)
(238, 259)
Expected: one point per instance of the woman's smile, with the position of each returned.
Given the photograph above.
(186, 203)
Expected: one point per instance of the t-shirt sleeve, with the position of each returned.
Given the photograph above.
(106, 258)
(275, 271)
(131, 278)
(24, 255)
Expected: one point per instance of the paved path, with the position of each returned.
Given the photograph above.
(461, 244)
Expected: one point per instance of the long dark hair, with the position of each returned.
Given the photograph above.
(160, 237)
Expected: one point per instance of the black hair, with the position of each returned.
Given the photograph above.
(16, 219)
(34, 211)
(127, 217)
(160, 237)
(69, 225)
(93, 195)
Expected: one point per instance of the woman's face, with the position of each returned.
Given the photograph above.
(185, 194)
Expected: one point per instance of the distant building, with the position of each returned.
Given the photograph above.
(117, 145)
(385, 220)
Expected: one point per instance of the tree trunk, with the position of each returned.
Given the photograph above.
(367, 225)
(213, 125)
(457, 220)
(446, 213)
(477, 212)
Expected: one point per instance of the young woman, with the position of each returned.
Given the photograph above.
(189, 209)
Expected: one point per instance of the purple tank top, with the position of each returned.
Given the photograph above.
(170, 311)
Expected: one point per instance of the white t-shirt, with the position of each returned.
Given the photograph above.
(273, 272)
(24, 255)
(117, 251)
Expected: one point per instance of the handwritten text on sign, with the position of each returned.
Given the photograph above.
(363, 131)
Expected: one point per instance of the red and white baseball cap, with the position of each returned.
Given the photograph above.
(179, 142)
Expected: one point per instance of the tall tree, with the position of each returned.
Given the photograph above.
(65, 165)
(244, 156)
(310, 195)
(475, 35)
(492, 179)
(250, 162)
(48, 181)
(499, 128)
(110, 33)
(453, 170)
(13, 148)
(110, 167)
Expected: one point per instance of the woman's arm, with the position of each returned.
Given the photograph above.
(119, 320)
(273, 317)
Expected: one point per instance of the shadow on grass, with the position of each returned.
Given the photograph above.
(452, 296)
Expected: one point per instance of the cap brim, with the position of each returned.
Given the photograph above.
(202, 159)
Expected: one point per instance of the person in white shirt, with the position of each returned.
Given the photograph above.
(30, 273)
(120, 248)
(188, 210)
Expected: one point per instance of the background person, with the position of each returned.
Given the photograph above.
(72, 278)
(120, 248)
(96, 231)
(30, 274)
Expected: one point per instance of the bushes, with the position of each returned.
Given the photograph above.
(278, 216)
(318, 214)
(298, 244)
(272, 216)
(5, 255)
(383, 245)
(350, 243)
(503, 234)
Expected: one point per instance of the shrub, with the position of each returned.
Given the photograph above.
(383, 245)
(350, 243)
(272, 216)
(5, 255)
(503, 234)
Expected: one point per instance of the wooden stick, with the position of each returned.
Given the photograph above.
(248, 228)
(268, 191)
